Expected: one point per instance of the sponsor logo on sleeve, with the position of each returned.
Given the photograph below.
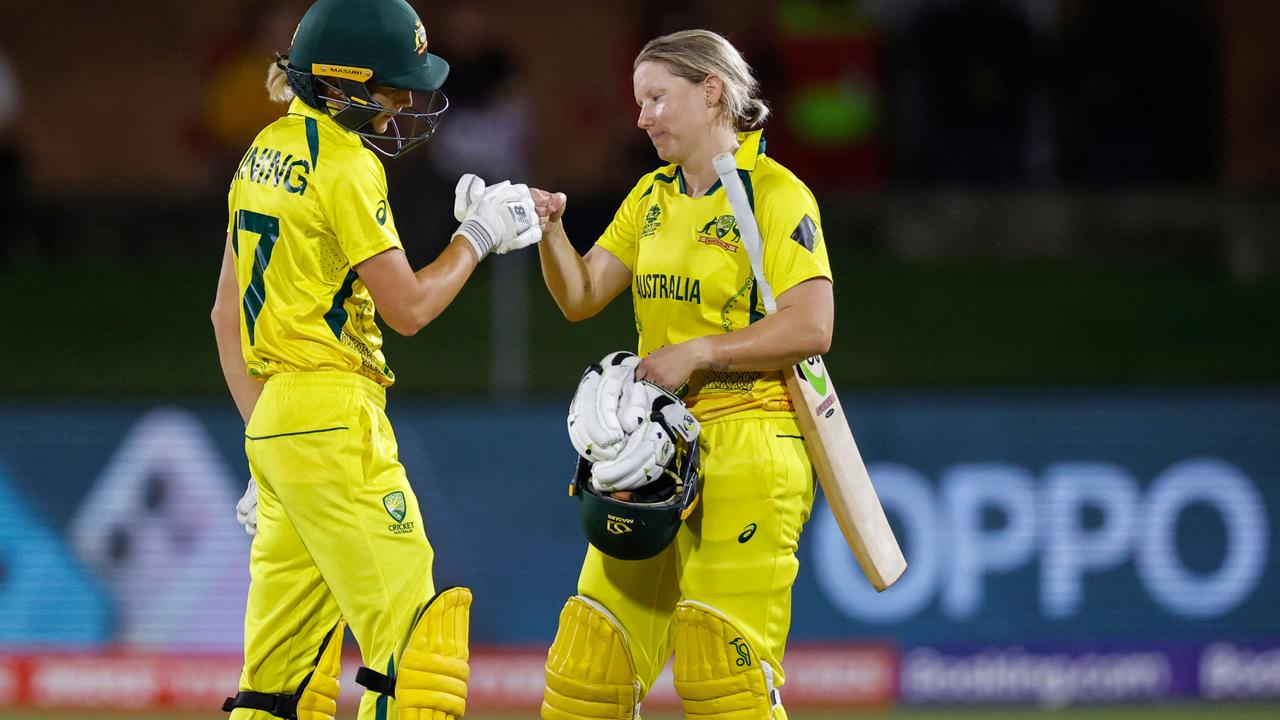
(806, 233)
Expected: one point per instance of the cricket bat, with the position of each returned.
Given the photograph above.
(830, 442)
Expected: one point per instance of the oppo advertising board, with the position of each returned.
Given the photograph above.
(1061, 548)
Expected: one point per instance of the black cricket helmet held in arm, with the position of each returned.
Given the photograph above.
(645, 523)
(343, 46)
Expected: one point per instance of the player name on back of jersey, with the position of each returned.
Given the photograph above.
(273, 168)
(661, 286)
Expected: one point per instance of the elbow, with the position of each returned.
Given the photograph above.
(407, 321)
(403, 326)
(577, 312)
(818, 340)
(223, 315)
(573, 315)
(820, 348)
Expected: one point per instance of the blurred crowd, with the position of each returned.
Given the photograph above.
(868, 95)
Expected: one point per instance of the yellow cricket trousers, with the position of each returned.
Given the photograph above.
(736, 552)
(339, 534)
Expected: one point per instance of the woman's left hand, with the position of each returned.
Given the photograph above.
(672, 365)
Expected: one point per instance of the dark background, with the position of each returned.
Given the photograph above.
(1015, 193)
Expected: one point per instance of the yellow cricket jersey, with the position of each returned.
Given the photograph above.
(307, 204)
(692, 277)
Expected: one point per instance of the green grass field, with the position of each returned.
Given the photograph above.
(1156, 712)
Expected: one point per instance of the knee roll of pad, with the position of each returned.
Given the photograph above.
(434, 670)
(590, 672)
(319, 697)
(316, 699)
(717, 673)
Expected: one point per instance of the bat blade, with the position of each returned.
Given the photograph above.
(843, 474)
(828, 438)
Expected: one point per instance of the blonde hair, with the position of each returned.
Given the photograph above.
(278, 82)
(696, 54)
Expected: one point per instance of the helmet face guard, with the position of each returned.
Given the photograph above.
(644, 525)
(354, 108)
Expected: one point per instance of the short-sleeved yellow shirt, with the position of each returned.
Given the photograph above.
(691, 276)
(307, 204)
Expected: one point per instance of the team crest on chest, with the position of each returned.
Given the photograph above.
(721, 232)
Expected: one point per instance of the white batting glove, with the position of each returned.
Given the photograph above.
(643, 398)
(593, 423)
(504, 216)
(247, 508)
(619, 375)
(465, 195)
(641, 461)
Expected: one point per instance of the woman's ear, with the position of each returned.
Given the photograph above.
(712, 87)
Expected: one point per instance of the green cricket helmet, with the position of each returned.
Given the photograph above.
(344, 45)
(643, 525)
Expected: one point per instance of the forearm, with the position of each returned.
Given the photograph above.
(438, 283)
(566, 275)
(774, 342)
(244, 389)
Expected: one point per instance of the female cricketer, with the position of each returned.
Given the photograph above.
(719, 597)
(312, 254)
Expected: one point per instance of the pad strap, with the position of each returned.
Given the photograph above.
(278, 704)
(317, 696)
(371, 679)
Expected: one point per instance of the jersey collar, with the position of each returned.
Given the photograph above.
(301, 109)
(750, 148)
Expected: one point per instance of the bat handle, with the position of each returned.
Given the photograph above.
(724, 164)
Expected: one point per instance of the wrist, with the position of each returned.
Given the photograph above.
(705, 353)
(477, 236)
(554, 230)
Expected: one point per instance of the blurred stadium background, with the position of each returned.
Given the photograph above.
(1056, 238)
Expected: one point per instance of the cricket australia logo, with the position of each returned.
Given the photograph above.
(397, 508)
(717, 231)
(419, 38)
(652, 222)
(395, 505)
(744, 652)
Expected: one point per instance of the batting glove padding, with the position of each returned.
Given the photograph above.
(640, 462)
(247, 508)
(649, 417)
(502, 220)
(594, 427)
(467, 193)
